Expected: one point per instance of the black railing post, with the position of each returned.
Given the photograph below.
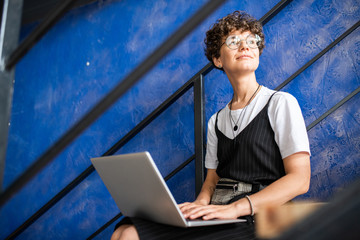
(199, 129)
(10, 29)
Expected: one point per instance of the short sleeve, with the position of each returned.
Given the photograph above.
(211, 161)
(288, 124)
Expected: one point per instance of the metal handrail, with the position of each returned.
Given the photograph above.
(333, 109)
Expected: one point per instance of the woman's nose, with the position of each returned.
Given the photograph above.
(243, 45)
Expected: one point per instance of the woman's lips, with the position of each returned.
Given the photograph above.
(243, 57)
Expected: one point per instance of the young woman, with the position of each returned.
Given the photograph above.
(257, 146)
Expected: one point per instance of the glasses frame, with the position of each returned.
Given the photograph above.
(257, 38)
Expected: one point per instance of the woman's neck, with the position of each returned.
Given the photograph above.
(245, 87)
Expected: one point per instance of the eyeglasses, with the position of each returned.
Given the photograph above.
(234, 41)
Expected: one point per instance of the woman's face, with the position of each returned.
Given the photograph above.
(238, 61)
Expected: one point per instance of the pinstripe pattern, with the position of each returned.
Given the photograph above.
(253, 155)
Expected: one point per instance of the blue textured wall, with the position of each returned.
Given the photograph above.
(94, 47)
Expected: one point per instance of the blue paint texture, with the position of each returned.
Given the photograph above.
(335, 152)
(93, 47)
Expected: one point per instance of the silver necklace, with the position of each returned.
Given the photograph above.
(242, 113)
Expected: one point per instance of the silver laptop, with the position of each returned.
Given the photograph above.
(139, 190)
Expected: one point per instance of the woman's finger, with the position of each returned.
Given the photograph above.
(200, 211)
(181, 205)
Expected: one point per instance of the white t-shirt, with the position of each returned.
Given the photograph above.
(285, 118)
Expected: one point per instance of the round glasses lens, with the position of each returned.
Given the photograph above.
(233, 42)
(252, 41)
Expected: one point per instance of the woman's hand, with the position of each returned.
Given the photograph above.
(207, 212)
(187, 207)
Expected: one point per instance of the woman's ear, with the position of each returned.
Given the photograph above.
(217, 62)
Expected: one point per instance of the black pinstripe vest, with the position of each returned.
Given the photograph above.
(252, 156)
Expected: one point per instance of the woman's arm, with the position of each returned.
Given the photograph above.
(295, 182)
(208, 188)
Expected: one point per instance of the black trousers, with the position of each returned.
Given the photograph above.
(150, 230)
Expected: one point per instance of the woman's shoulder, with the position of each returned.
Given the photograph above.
(282, 103)
(279, 97)
(219, 112)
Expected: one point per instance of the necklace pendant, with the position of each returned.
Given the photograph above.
(235, 128)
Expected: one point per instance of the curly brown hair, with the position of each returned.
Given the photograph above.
(237, 20)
